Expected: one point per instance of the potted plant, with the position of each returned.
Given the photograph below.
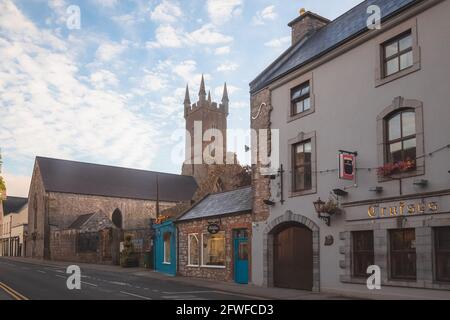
(331, 206)
(128, 258)
(390, 169)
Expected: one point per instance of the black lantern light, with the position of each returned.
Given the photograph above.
(319, 206)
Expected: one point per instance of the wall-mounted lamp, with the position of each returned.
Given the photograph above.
(319, 205)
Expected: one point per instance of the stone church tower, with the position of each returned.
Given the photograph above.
(206, 116)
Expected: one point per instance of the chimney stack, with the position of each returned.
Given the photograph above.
(306, 24)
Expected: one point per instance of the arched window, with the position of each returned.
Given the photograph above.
(117, 218)
(401, 140)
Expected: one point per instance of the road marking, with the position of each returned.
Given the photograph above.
(89, 284)
(181, 297)
(13, 293)
(40, 271)
(60, 276)
(135, 295)
(118, 283)
(189, 292)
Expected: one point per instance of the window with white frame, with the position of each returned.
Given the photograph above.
(193, 250)
(213, 250)
(167, 237)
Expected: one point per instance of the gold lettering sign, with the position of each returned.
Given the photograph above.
(402, 209)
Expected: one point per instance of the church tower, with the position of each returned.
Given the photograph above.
(204, 116)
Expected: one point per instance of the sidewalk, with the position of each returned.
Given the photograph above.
(248, 290)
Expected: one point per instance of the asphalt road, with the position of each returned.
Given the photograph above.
(20, 281)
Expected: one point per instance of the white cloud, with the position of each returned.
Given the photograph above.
(239, 104)
(266, 14)
(167, 36)
(154, 82)
(106, 3)
(48, 109)
(222, 50)
(166, 11)
(108, 51)
(228, 66)
(218, 91)
(278, 42)
(221, 11)
(102, 79)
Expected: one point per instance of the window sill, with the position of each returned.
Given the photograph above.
(303, 114)
(167, 263)
(404, 175)
(302, 193)
(192, 266)
(381, 81)
(213, 267)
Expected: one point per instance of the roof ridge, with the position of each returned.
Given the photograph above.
(110, 166)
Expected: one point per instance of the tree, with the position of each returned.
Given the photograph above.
(2, 182)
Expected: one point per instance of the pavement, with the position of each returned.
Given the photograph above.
(25, 278)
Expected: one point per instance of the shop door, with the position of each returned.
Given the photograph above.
(241, 255)
(293, 260)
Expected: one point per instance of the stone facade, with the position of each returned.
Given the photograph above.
(64, 247)
(56, 211)
(260, 120)
(228, 224)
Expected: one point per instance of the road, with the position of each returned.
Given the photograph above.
(25, 281)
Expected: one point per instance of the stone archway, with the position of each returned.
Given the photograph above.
(268, 250)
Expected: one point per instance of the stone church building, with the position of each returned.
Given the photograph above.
(62, 191)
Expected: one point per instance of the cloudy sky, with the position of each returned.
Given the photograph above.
(111, 92)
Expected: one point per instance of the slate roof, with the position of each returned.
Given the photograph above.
(80, 220)
(336, 33)
(13, 205)
(218, 204)
(93, 179)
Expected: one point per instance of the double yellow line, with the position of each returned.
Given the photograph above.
(13, 293)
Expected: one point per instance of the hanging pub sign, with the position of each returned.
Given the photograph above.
(347, 166)
(213, 228)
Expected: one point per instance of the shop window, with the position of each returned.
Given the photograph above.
(363, 252)
(194, 250)
(302, 166)
(401, 143)
(442, 252)
(403, 254)
(213, 250)
(166, 239)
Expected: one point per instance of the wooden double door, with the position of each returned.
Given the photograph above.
(293, 257)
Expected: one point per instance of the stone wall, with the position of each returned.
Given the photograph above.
(227, 224)
(64, 208)
(38, 230)
(261, 184)
(63, 247)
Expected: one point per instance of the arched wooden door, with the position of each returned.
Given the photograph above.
(293, 257)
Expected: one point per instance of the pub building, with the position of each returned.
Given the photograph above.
(214, 237)
(377, 99)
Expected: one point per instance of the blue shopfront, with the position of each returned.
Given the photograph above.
(165, 248)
